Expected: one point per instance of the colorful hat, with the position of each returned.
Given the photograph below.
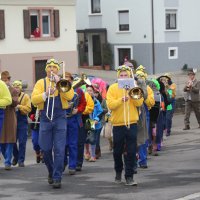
(141, 68)
(17, 83)
(124, 68)
(168, 75)
(52, 62)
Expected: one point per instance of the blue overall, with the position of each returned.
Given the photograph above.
(35, 139)
(72, 135)
(1, 122)
(22, 134)
(52, 137)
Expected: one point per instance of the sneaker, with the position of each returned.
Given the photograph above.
(14, 162)
(72, 171)
(50, 180)
(7, 167)
(118, 178)
(92, 159)
(130, 181)
(57, 184)
(21, 165)
(78, 168)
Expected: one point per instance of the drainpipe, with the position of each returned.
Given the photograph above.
(153, 40)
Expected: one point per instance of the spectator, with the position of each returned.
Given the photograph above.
(36, 32)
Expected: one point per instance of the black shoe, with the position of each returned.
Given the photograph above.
(130, 181)
(21, 165)
(78, 168)
(143, 166)
(14, 162)
(38, 158)
(186, 127)
(50, 180)
(57, 184)
(118, 178)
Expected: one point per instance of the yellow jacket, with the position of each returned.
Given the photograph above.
(38, 92)
(150, 101)
(115, 104)
(5, 96)
(89, 104)
(24, 103)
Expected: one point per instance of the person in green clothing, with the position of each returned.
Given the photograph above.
(168, 107)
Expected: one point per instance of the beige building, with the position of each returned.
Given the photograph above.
(23, 51)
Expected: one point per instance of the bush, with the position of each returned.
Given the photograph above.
(107, 54)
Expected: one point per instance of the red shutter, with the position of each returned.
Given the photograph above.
(56, 23)
(27, 24)
(2, 25)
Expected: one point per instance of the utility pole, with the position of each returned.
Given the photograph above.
(153, 39)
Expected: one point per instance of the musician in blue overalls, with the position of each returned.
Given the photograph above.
(74, 123)
(5, 100)
(22, 110)
(52, 104)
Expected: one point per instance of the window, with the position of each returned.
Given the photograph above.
(95, 6)
(171, 19)
(2, 25)
(46, 19)
(123, 20)
(173, 52)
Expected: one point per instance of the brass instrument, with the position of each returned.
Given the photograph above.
(78, 82)
(63, 85)
(52, 79)
(136, 92)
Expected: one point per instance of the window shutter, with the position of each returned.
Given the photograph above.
(27, 23)
(56, 24)
(2, 25)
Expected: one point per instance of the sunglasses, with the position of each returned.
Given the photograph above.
(55, 62)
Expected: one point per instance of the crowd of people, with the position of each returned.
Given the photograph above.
(69, 114)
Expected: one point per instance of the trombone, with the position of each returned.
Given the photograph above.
(62, 85)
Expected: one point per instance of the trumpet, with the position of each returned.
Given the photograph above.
(78, 82)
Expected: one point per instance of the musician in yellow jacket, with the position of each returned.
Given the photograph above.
(124, 118)
(5, 100)
(52, 135)
(22, 110)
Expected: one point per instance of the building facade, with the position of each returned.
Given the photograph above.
(159, 34)
(24, 51)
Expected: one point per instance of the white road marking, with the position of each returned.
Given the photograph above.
(190, 197)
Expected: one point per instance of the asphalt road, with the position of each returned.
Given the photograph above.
(173, 175)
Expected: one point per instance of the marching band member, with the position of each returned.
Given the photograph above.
(35, 127)
(52, 135)
(83, 132)
(192, 99)
(143, 126)
(124, 117)
(74, 123)
(8, 137)
(22, 110)
(5, 100)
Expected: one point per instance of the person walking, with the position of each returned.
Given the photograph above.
(192, 99)
(52, 104)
